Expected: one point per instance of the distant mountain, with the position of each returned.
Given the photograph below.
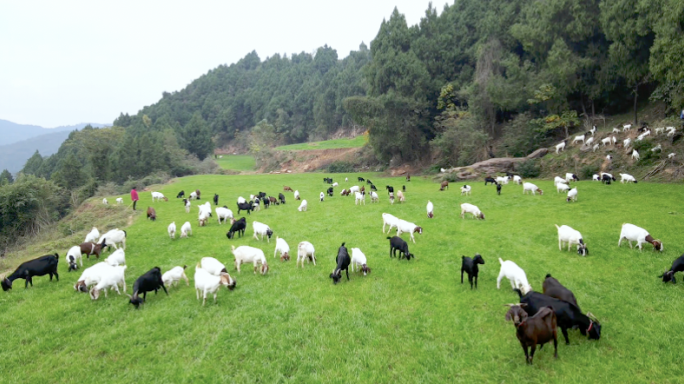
(13, 156)
(12, 132)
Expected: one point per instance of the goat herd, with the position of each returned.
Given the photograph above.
(536, 317)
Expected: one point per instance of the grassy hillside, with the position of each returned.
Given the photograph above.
(237, 162)
(356, 142)
(405, 322)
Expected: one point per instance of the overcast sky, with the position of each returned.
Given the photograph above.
(66, 62)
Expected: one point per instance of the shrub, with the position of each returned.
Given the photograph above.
(340, 167)
(529, 169)
(588, 171)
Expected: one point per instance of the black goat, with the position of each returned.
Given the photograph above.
(369, 182)
(281, 197)
(150, 281)
(267, 202)
(490, 180)
(343, 260)
(390, 189)
(470, 267)
(567, 314)
(248, 206)
(237, 226)
(538, 329)
(372, 187)
(361, 179)
(180, 195)
(677, 266)
(606, 178)
(44, 265)
(398, 244)
(330, 191)
(216, 197)
(261, 195)
(553, 288)
(403, 187)
(498, 189)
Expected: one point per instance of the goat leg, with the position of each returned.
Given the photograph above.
(527, 356)
(534, 347)
(565, 335)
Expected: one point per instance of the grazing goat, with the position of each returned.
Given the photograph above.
(117, 257)
(571, 177)
(571, 236)
(119, 200)
(238, 226)
(281, 245)
(568, 315)
(90, 248)
(553, 288)
(263, 230)
(561, 146)
(559, 180)
(514, 274)
(616, 130)
(444, 185)
(631, 232)
(607, 141)
(502, 179)
(180, 195)
(398, 244)
(627, 178)
(374, 197)
(635, 155)
(303, 206)
(391, 197)
(186, 230)
(389, 219)
(281, 197)
(273, 200)
(109, 278)
(606, 178)
(245, 207)
(359, 259)
(572, 195)
(286, 188)
(193, 196)
(472, 209)
(206, 283)
(626, 142)
(596, 177)
(390, 189)
(595, 147)
(223, 214)
(361, 179)
(92, 276)
(187, 205)
(560, 187)
(406, 227)
(671, 155)
(157, 196)
(343, 260)
(465, 190)
(529, 187)
(400, 196)
(578, 138)
(305, 251)
(151, 214)
(430, 209)
(518, 180)
(174, 275)
(246, 254)
(296, 195)
(498, 189)
(329, 192)
(114, 237)
(593, 130)
(589, 141)
(148, 282)
(216, 268)
(626, 127)
(360, 199)
(73, 255)
(490, 180)
(172, 230)
(470, 267)
(354, 189)
(104, 201)
(538, 329)
(677, 266)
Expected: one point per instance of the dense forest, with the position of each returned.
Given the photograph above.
(515, 73)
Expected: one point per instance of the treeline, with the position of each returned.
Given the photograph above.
(480, 70)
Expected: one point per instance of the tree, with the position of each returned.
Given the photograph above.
(70, 173)
(197, 137)
(6, 177)
(33, 164)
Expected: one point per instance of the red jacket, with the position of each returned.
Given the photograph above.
(134, 195)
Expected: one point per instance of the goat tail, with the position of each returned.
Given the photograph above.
(342, 245)
(232, 247)
(199, 265)
(557, 227)
(500, 261)
(184, 267)
(548, 275)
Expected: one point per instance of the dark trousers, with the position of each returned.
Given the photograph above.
(134, 202)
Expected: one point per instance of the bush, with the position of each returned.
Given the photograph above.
(646, 156)
(340, 167)
(529, 169)
(588, 171)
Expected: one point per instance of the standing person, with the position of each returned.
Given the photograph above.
(134, 197)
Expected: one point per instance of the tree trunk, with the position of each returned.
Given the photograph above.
(636, 95)
(593, 112)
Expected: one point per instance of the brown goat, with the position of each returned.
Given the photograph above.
(151, 214)
(286, 188)
(538, 329)
(92, 249)
(444, 185)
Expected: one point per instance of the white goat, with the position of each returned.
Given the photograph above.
(193, 195)
(572, 195)
(660, 130)
(578, 138)
(335, 184)
(596, 146)
(172, 230)
(466, 190)
(627, 178)
(571, 236)
(263, 230)
(303, 206)
(296, 195)
(626, 127)
(389, 219)
(203, 218)
(560, 187)
(212, 266)
(119, 200)
(92, 236)
(374, 197)
(186, 230)
(305, 251)
(596, 177)
(514, 274)
(529, 187)
(73, 255)
(406, 227)
(223, 214)
(208, 283)
(626, 142)
(400, 196)
(109, 278)
(606, 141)
(91, 276)
(430, 209)
(616, 130)
(187, 205)
(631, 232)
(104, 201)
(174, 275)
(671, 155)
(589, 141)
(559, 180)
(158, 196)
(657, 148)
(114, 237)
(360, 199)
(560, 147)
(117, 257)
(281, 245)
(241, 200)
(635, 155)
(593, 130)
(469, 208)
(354, 189)
(246, 254)
(321, 196)
(502, 179)
(358, 259)
(518, 180)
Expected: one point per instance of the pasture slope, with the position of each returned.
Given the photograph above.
(405, 322)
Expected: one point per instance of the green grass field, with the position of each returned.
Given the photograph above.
(356, 142)
(405, 322)
(237, 162)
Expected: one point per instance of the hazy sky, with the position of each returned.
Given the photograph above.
(66, 62)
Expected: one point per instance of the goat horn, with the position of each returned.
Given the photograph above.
(591, 316)
(512, 305)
